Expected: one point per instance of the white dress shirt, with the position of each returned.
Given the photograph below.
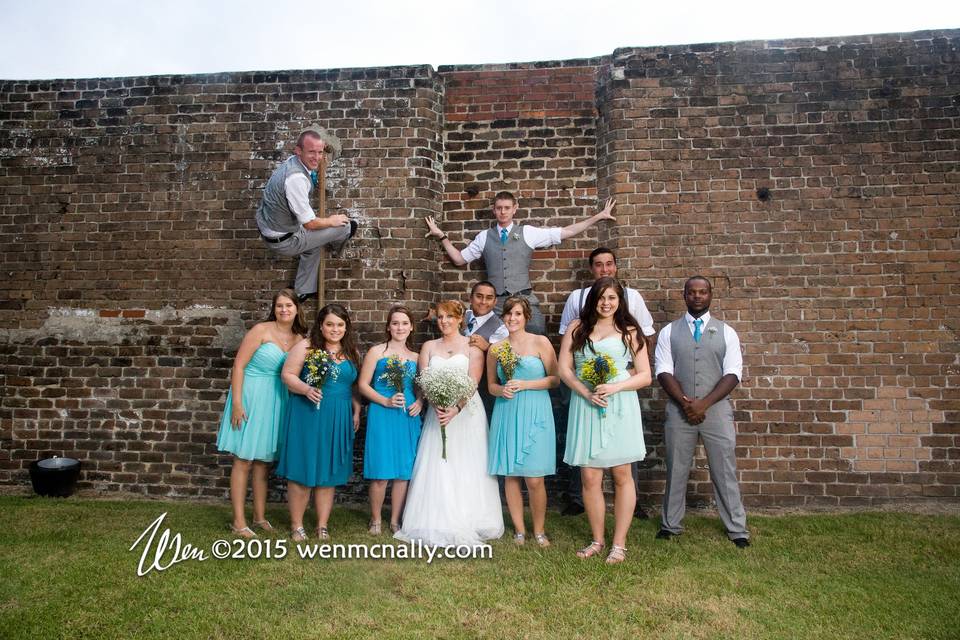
(535, 237)
(732, 359)
(635, 304)
(500, 334)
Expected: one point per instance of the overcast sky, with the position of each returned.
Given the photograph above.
(94, 38)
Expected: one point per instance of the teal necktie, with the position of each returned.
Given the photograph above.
(503, 236)
(697, 333)
(314, 178)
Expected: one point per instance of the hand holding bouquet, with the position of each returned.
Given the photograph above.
(320, 366)
(596, 371)
(395, 375)
(444, 387)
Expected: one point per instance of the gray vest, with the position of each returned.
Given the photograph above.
(508, 265)
(489, 327)
(698, 366)
(274, 212)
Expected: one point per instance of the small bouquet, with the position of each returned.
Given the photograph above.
(320, 366)
(507, 358)
(444, 387)
(598, 370)
(395, 373)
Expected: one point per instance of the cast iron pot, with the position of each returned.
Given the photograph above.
(56, 477)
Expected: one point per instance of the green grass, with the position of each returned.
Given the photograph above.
(66, 572)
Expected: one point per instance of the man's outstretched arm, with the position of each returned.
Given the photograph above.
(579, 227)
(456, 257)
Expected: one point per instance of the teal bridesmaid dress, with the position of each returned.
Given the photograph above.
(392, 434)
(522, 440)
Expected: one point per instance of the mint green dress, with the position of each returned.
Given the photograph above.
(522, 439)
(617, 438)
(264, 401)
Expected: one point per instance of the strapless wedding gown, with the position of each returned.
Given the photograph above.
(453, 501)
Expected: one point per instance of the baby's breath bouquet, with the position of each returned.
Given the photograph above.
(507, 358)
(443, 387)
(395, 373)
(596, 371)
(320, 366)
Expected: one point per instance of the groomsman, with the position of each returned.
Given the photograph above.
(698, 364)
(507, 248)
(603, 264)
(484, 328)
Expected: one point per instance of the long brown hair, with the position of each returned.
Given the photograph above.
(399, 308)
(348, 344)
(299, 324)
(621, 317)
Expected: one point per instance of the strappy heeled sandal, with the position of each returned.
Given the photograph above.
(243, 532)
(263, 525)
(542, 540)
(519, 539)
(298, 535)
(590, 550)
(374, 528)
(394, 527)
(617, 554)
(323, 533)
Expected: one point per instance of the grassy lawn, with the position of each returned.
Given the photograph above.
(66, 572)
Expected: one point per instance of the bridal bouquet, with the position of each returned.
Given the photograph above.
(395, 373)
(596, 371)
(507, 358)
(444, 387)
(320, 366)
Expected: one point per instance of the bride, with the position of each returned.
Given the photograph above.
(452, 501)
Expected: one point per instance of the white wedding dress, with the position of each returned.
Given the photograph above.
(453, 501)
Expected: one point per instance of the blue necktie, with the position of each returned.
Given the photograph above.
(503, 236)
(314, 178)
(697, 333)
(471, 324)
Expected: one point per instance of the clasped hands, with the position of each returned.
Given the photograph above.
(512, 387)
(399, 401)
(694, 409)
(446, 414)
(599, 396)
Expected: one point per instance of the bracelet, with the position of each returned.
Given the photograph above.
(442, 238)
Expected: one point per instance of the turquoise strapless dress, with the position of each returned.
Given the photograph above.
(595, 441)
(522, 439)
(392, 434)
(264, 399)
(317, 444)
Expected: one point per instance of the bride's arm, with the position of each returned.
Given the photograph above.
(476, 364)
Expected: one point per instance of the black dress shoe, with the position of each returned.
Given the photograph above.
(303, 297)
(663, 534)
(640, 514)
(742, 543)
(353, 228)
(572, 509)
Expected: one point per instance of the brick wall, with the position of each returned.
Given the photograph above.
(816, 181)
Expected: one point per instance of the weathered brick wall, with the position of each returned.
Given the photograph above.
(528, 129)
(817, 183)
(132, 262)
(133, 266)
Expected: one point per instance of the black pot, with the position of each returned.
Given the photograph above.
(55, 477)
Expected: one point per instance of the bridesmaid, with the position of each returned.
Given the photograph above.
(317, 450)
(522, 441)
(611, 438)
(393, 419)
(250, 426)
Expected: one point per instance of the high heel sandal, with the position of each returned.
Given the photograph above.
(243, 532)
(617, 554)
(323, 533)
(374, 528)
(542, 540)
(394, 528)
(590, 550)
(519, 539)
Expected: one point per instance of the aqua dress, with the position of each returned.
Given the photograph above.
(522, 440)
(617, 438)
(392, 434)
(317, 446)
(264, 401)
